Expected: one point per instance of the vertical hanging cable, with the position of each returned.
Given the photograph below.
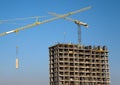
(17, 61)
(64, 36)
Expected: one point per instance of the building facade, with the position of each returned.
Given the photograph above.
(72, 64)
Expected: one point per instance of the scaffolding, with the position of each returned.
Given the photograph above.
(72, 64)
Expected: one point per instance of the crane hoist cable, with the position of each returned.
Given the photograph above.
(44, 21)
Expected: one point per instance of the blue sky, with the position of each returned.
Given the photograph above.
(33, 43)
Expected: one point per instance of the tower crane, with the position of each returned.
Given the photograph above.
(36, 23)
(79, 24)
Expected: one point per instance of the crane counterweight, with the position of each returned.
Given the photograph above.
(81, 23)
(10, 32)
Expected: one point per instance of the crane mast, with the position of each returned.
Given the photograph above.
(79, 24)
(36, 23)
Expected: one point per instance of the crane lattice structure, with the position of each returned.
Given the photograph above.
(79, 23)
(36, 23)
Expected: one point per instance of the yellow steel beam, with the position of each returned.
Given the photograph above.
(45, 21)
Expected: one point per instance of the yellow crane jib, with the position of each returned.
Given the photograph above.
(44, 21)
(19, 29)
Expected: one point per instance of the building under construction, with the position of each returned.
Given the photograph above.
(72, 64)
